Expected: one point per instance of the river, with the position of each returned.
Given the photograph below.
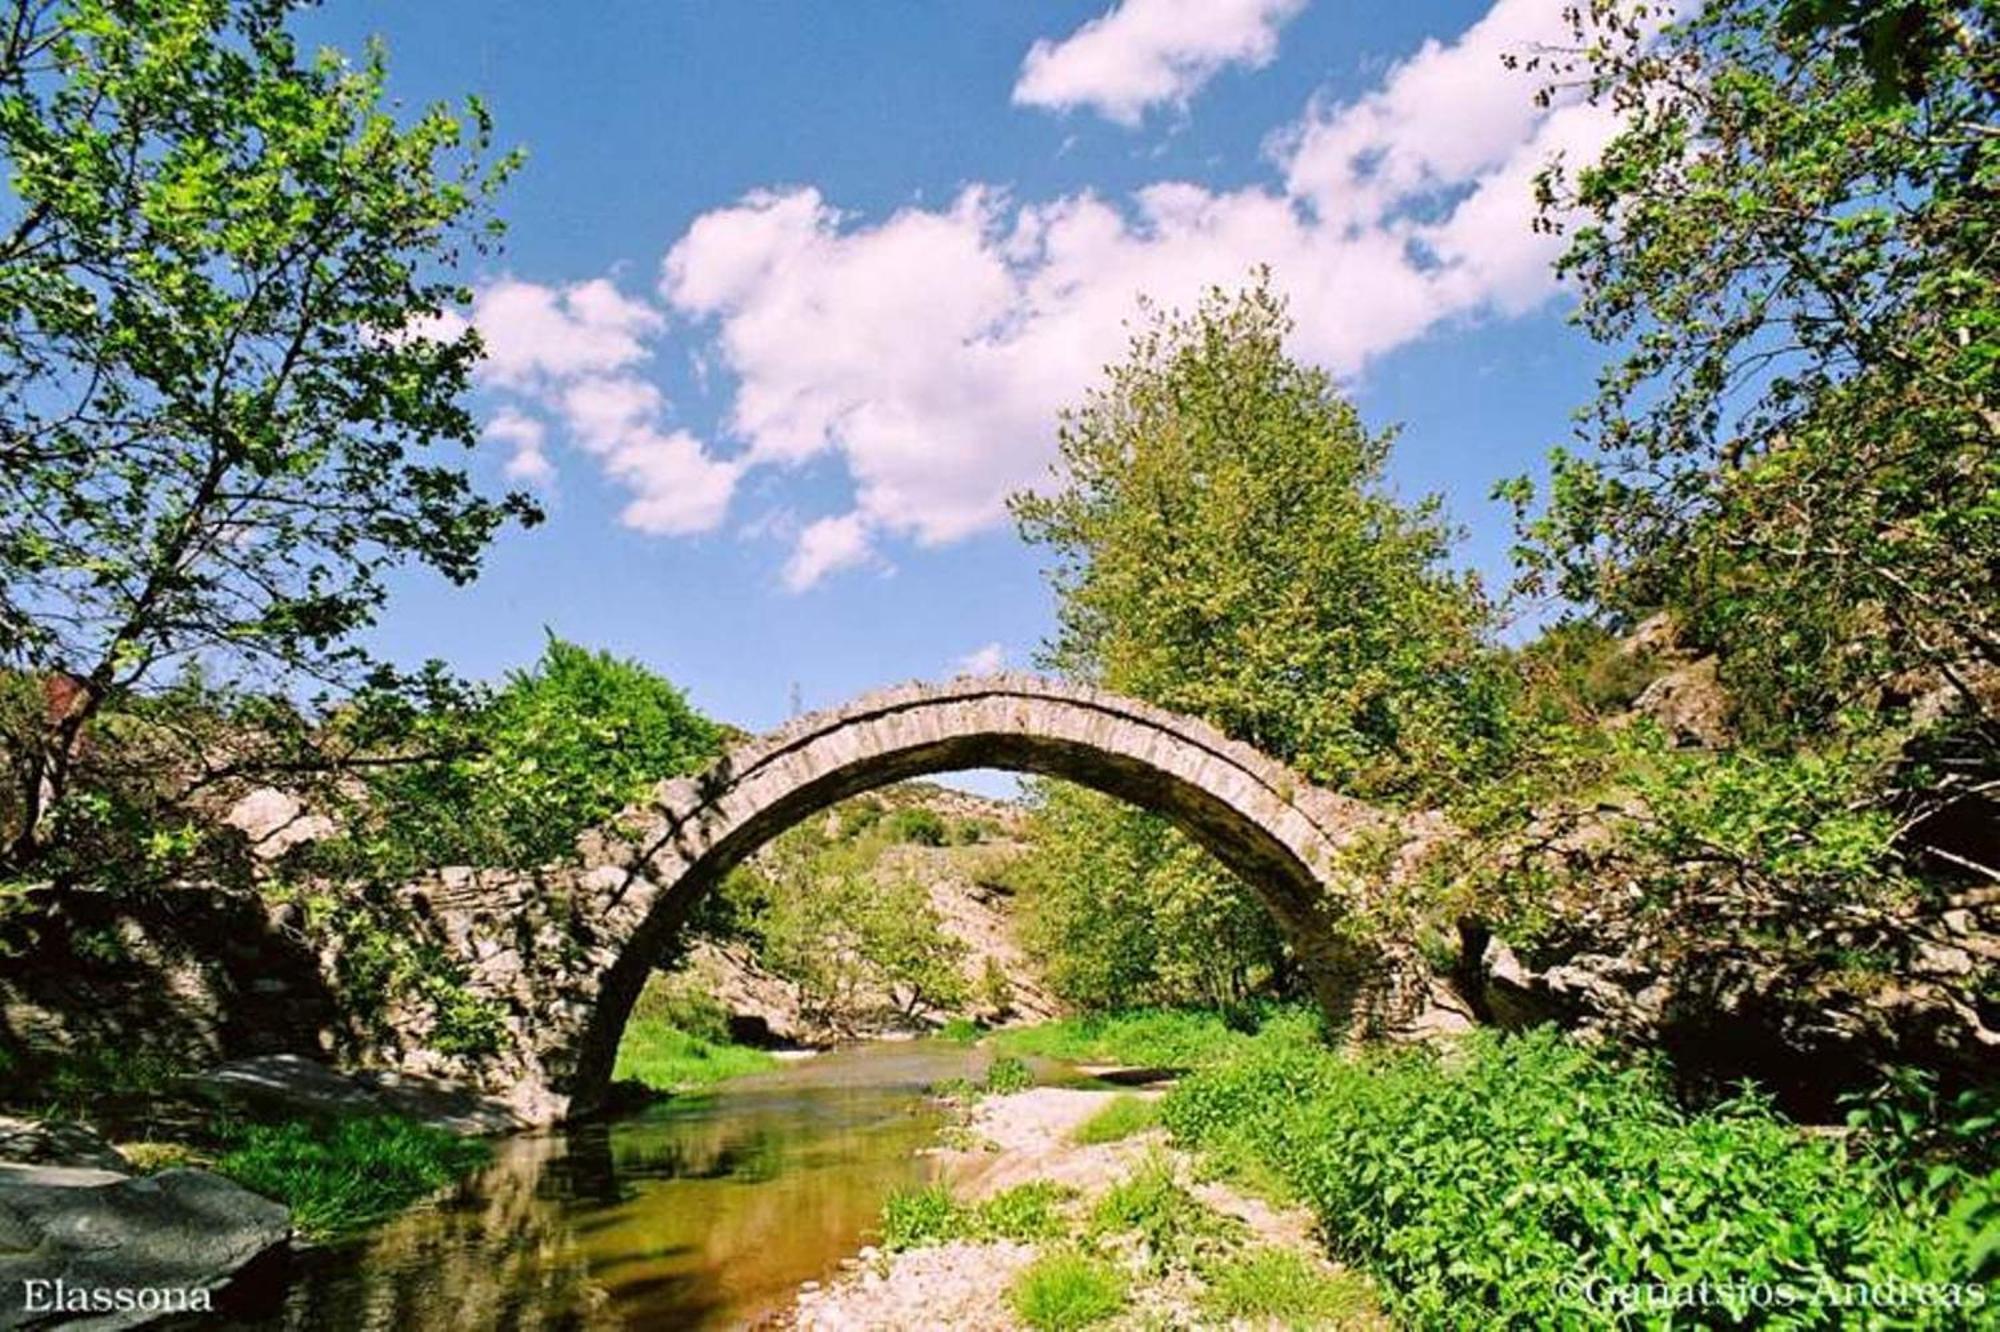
(696, 1212)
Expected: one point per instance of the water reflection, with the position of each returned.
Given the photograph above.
(696, 1213)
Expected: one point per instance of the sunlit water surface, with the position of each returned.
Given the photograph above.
(699, 1212)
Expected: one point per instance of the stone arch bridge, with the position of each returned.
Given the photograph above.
(564, 952)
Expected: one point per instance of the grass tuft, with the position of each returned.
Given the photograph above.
(341, 1176)
(1064, 1290)
(1124, 1116)
(667, 1059)
(1277, 1286)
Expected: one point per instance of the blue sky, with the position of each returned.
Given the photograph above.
(792, 291)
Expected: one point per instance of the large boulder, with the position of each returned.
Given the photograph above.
(91, 1249)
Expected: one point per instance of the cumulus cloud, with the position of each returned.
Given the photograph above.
(1146, 53)
(524, 437)
(825, 546)
(988, 660)
(932, 350)
(573, 353)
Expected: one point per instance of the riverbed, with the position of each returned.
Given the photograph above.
(694, 1212)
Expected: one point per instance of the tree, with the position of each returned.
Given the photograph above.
(1121, 910)
(1224, 545)
(1792, 243)
(228, 387)
(520, 774)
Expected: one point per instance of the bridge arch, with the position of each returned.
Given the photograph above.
(1281, 834)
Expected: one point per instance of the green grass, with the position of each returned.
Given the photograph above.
(1148, 1037)
(914, 1218)
(338, 1177)
(1177, 1228)
(1064, 1290)
(1277, 1286)
(960, 1030)
(668, 1059)
(1122, 1117)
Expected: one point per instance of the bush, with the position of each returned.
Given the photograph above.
(1066, 1290)
(1153, 1037)
(1483, 1187)
(1007, 1074)
(341, 1176)
(924, 827)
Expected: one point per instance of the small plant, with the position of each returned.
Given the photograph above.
(1026, 1212)
(960, 1030)
(1064, 1290)
(1007, 1075)
(1266, 1286)
(912, 1218)
(1124, 1116)
(922, 827)
(1150, 1203)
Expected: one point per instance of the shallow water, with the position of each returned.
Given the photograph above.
(698, 1212)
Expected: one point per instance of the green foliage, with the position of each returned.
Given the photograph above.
(557, 749)
(1172, 1226)
(1791, 244)
(1007, 1075)
(683, 1002)
(341, 1176)
(914, 823)
(668, 1059)
(1119, 908)
(1223, 544)
(1279, 1287)
(913, 1218)
(1488, 1187)
(960, 1031)
(1064, 1290)
(1124, 1116)
(860, 939)
(229, 406)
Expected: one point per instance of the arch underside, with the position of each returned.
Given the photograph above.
(1275, 832)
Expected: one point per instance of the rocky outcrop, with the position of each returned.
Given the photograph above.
(92, 1249)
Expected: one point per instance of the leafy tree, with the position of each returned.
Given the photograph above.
(1224, 545)
(1792, 243)
(227, 392)
(557, 749)
(1122, 910)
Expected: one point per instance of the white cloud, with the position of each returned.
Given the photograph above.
(1145, 53)
(931, 351)
(571, 352)
(534, 332)
(988, 660)
(525, 436)
(825, 546)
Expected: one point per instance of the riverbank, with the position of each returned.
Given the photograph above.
(1500, 1179)
(1061, 1207)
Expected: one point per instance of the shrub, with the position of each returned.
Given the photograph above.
(924, 827)
(1121, 1118)
(960, 1030)
(1066, 1290)
(1007, 1074)
(1483, 1187)
(340, 1176)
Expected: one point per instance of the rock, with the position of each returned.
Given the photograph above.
(276, 821)
(124, 1249)
(1690, 703)
(48, 1142)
